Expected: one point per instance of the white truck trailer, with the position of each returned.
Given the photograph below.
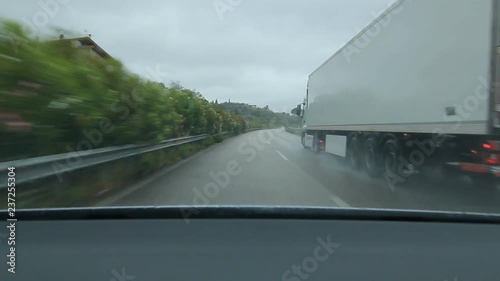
(414, 89)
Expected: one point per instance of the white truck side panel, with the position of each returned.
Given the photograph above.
(309, 141)
(408, 70)
(336, 145)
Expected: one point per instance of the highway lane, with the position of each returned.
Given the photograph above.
(272, 168)
(243, 170)
(361, 191)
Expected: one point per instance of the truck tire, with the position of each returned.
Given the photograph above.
(353, 155)
(371, 158)
(392, 151)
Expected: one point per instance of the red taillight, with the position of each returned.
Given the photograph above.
(321, 141)
(492, 160)
(487, 146)
(476, 168)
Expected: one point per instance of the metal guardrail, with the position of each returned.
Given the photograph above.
(56, 165)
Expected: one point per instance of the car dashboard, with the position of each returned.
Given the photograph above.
(251, 243)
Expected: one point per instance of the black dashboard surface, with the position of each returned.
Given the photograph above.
(252, 244)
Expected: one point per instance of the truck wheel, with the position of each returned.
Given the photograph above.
(392, 151)
(353, 154)
(372, 158)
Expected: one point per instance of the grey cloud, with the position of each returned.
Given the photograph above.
(261, 53)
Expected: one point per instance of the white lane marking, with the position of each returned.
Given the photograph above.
(341, 203)
(102, 191)
(282, 156)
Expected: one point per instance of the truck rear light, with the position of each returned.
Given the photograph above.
(492, 145)
(492, 159)
(475, 168)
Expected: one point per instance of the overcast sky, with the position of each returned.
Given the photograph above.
(252, 51)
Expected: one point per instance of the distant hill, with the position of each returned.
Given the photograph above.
(261, 117)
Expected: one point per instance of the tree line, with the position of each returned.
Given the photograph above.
(53, 96)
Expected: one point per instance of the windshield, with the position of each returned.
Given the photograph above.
(345, 104)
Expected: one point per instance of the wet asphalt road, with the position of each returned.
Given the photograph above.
(271, 168)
